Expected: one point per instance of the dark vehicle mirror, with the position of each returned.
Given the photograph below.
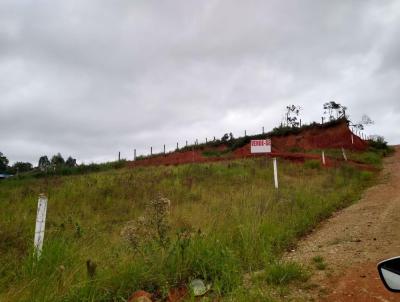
(389, 271)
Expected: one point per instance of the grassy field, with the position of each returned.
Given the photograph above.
(224, 220)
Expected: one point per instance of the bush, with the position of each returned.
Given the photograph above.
(378, 142)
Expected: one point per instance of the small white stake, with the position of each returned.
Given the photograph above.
(275, 173)
(323, 158)
(352, 140)
(40, 224)
(344, 154)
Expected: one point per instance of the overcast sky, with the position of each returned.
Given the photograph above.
(91, 78)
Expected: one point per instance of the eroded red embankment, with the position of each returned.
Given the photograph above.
(318, 137)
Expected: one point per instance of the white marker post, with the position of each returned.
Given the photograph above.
(352, 140)
(275, 173)
(40, 224)
(344, 154)
(323, 158)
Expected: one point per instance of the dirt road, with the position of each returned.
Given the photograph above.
(353, 241)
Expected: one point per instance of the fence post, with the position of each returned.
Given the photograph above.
(177, 146)
(214, 138)
(275, 173)
(151, 150)
(40, 225)
(300, 122)
(322, 119)
(119, 156)
(245, 133)
(323, 158)
(134, 154)
(206, 140)
(263, 130)
(352, 139)
(164, 149)
(344, 154)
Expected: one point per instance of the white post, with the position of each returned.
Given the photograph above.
(40, 224)
(275, 173)
(323, 158)
(352, 140)
(344, 154)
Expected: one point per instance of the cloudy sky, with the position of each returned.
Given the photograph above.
(91, 78)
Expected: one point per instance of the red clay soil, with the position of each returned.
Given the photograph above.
(317, 137)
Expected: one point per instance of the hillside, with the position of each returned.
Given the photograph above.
(214, 221)
(289, 143)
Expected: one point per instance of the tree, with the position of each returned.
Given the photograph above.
(3, 162)
(225, 138)
(70, 162)
(44, 163)
(291, 115)
(334, 110)
(365, 121)
(21, 167)
(57, 160)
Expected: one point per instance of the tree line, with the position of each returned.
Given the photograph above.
(44, 164)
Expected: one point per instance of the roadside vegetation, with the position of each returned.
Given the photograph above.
(113, 232)
(377, 150)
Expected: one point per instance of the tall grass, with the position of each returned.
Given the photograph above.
(226, 219)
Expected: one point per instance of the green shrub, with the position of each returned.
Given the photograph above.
(378, 143)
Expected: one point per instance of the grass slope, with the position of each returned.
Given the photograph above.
(226, 219)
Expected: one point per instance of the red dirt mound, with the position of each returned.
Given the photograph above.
(316, 137)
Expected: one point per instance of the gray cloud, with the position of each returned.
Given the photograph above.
(96, 77)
